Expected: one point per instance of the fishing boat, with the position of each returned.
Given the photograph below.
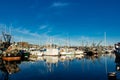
(117, 50)
(9, 50)
(16, 58)
(51, 52)
(66, 51)
(36, 52)
(11, 56)
(51, 49)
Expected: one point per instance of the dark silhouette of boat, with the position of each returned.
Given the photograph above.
(7, 68)
(114, 75)
(8, 50)
(117, 50)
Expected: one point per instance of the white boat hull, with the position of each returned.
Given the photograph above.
(51, 52)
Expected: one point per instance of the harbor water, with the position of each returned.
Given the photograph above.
(58, 68)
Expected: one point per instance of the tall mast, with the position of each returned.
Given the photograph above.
(39, 42)
(105, 56)
(1, 38)
(5, 29)
(21, 43)
(105, 38)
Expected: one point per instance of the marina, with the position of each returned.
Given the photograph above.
(59, 40)
(51, 61)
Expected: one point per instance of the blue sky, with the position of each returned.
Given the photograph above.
(81, 20)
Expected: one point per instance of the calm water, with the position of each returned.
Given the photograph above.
(54, 68)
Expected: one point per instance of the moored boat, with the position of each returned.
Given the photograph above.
(13, 55)
(15, 58)
(117, 50)
(66, 51)
(24, 54)
(79, 52)
(51, 52)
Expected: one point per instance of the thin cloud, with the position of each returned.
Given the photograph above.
(34, 34)
(36, 37)
(59, 4)
(21, 30)
(49, 30)
(43, 27)
(32, 37)
(26, 31)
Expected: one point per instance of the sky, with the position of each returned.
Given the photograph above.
(61, 21)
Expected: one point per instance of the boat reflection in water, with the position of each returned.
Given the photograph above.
(117, 61)
(51, 61)
(116, 74)
(8, 68)
(65, 67)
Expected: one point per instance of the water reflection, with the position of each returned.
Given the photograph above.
(8, 68)
(67, 67)
(51, 61)
(115, 75)
(117, 61)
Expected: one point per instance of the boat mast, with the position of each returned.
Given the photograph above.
(105, 38)
(21, 43)
(5, 29)
(105, 56)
